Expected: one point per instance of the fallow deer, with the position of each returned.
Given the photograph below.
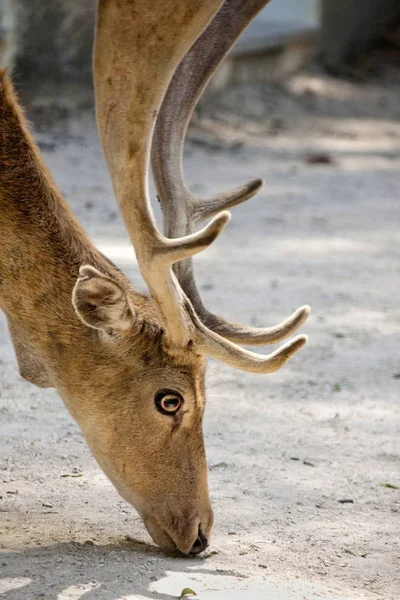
(130, 367)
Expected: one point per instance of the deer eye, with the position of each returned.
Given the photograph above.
(168, 402)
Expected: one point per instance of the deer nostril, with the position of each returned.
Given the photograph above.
(200, 544)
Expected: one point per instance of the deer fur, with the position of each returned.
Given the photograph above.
(114, 354)
(106, 375)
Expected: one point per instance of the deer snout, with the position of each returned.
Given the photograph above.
(188, 536)
(200, 544)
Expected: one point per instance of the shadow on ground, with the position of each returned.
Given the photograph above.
(122, 571)
(70, 570)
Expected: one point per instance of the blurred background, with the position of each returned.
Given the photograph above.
(53, 39)
(304, 464)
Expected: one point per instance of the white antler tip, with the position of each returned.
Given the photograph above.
(306, 309)
(293, 346)
(301, 315)
(300, 341)
(220, 221)
(224, 216)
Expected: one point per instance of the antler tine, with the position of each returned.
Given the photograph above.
(239, 358)
(182, 210)
(211, 344)
(184, 91)
(138, 47)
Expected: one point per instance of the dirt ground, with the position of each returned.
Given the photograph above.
(304, 464)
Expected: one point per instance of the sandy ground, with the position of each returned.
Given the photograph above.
(285, 451)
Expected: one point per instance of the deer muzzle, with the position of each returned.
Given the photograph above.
(188, 536)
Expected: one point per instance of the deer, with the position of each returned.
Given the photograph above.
(130, 366)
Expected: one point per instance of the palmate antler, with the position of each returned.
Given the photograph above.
(138, 48)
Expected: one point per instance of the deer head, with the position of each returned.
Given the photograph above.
(144, 83)
(131, 369)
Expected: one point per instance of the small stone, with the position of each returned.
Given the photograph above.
(220, 465)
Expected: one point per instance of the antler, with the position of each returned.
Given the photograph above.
(138, 48)
(181, 209)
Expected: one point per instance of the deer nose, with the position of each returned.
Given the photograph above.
(200, 544)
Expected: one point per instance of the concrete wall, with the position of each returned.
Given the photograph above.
(349, 28)
(50, 39)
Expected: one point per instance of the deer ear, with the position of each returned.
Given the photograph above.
(100, 302)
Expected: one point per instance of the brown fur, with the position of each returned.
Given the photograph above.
(75, 321)
(109, 371)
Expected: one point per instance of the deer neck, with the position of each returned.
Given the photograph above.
(42, 247)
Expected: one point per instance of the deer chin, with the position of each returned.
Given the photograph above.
(175, 534)
(159, 536)
(183, 541)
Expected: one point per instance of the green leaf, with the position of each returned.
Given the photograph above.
(186, 592)
(391, 486)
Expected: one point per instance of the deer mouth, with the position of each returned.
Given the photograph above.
(163, 539)
(160, 536)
